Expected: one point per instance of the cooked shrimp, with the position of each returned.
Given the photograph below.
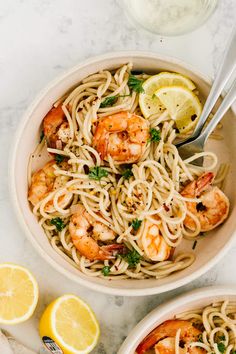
(123, 136)
(213, 207)
(85, 233)
(167, 346)
(153, 243)
(45, 181)
(56, 128)
(162, 338)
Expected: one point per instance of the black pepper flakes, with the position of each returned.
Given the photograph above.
(86, 169)
(193, 117)
(200, 207)
(166, 207)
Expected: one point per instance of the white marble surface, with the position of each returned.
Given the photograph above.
(38, 40)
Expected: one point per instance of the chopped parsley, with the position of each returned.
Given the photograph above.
(106, 270)
(135, 84)
(97, 173)
(127, 173)
(155, 135)
(124, 95)
(59, 158)
(132, 258)
(41, 136)
(58, 222)
(200, 339)
(221, 347)
(136, 224)
(109, 101)
(194, 245)
(221, 337)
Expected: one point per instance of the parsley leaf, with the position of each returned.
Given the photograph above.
(221, 347)
(41, 136)
(155, 135)
(136, 224)
(135, 84)
(221, 337)
(127, 173)
(109, 101)
(132, 258)
(106, 270)
(59, 158)
(97, 173)
(58, 222)
(200, 339)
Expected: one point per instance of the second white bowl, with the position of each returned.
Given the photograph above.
(189, 301)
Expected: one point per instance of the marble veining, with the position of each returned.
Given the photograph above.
(38, 41)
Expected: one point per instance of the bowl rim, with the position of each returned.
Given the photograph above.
(143, 327)
(16, 205)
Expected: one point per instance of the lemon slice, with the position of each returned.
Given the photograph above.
(148, 102)
(18, 294)
(182, 104)
(69, 325)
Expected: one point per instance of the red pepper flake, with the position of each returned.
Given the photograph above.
(166, 207)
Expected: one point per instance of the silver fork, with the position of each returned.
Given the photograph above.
(195, 143)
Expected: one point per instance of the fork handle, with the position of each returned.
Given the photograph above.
(224, 72)
(225, 105)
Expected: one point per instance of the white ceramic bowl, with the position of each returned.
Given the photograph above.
(189, 301)
(208, 251)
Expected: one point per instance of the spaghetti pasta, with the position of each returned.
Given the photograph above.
(116, 195)
(218, 324)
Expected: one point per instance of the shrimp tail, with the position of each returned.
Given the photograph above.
(203, 182)
(150, 341)
(52, 120)
(109, 251)
(51, 125)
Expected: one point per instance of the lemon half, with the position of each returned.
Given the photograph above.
(148, 101)
(71, 324)
(18, 294)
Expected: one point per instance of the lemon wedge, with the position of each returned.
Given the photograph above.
(18, 294)
(68, 324)
(182, 105)
(148, 102)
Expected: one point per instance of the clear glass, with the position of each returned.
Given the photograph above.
(169, 17)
